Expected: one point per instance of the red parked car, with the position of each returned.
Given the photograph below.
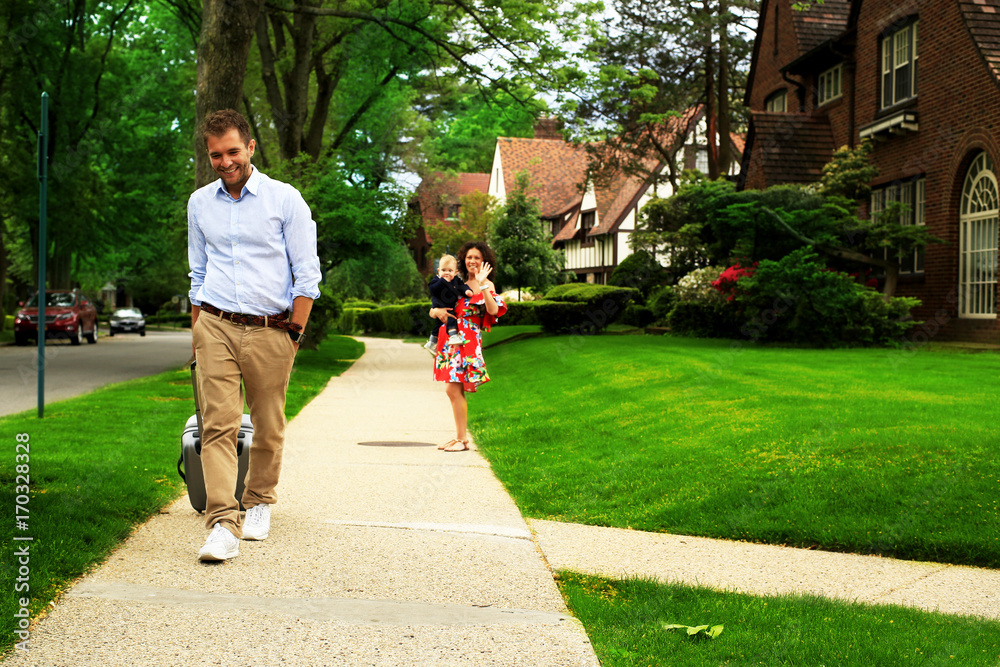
(68, 314)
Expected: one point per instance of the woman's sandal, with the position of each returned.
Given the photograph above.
(453, 446)
(448, 444)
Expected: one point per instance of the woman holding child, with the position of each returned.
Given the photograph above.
(462, 366)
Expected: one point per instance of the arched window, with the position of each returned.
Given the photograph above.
(978, 226)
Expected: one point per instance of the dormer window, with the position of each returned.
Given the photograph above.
(829, 86)
(899, 65)
(777, 102)
(587, 221)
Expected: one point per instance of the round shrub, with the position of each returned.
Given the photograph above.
(797, 299)
(703, 320)
(660, 301)
(639, 270)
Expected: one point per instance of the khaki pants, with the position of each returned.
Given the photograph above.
(233, 358)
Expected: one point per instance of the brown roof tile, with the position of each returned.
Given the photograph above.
(792, 148)
(558, 169)
(820, 22)
(982, 18)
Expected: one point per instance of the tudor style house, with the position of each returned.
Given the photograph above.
(591, 224)
(920, 78)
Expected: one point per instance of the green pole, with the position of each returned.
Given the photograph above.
(43, 194)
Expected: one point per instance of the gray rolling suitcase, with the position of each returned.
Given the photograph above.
(190, 459)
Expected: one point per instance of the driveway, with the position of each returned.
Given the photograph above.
(72, 370)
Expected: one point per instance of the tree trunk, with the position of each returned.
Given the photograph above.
(725, 156)
(710, 110)
(226, 33)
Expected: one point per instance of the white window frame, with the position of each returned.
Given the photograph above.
(776, 100)
(979, 223)
(899, 65)
(911, 194)
(830, 85)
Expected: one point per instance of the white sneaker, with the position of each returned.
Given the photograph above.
(221, 545)
(431, 346)
(257, 523)
(456, 339)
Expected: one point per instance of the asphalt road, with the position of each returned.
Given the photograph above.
(72, 370)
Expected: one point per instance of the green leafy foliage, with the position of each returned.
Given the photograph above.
(798, 299)
(468, 122)
(639, 270)
(477, 213)
(524, 251)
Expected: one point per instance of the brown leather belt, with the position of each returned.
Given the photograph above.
(277, 321)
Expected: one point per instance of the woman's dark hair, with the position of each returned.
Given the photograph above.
(488, 256)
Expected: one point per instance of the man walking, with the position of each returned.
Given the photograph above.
(254, 276)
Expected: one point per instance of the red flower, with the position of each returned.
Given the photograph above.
(727, 281)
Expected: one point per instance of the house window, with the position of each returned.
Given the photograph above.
(777, 102)
(899, 65)
(453, 211)
(586, 224)
(977, 241)
(555, 224)
(910, 194)
(829, 85)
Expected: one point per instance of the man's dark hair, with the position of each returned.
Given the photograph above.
(487, 253)
(219, 123)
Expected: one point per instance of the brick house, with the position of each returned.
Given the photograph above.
(437, 200)
(591, 224)
(921, 78)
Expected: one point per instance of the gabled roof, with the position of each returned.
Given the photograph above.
(439, 189)
(557, 168)
(790, 147)
(982, 18)
(813, 27)
(820, 23)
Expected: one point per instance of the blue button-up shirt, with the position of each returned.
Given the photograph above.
(254, 254)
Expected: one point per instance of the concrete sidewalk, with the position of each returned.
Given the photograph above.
(385, 551)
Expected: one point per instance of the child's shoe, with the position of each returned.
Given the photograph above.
(456, 339)
(431, 346)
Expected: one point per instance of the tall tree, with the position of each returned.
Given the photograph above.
(227, 28)
(653, 62)
(120, 139)
(524, 251)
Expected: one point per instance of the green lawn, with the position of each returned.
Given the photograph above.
(103, 463)
(625, 623)
(503, 334)
(859, 450)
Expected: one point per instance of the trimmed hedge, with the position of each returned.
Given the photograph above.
(637, 316)
(177, 319)
(576, 308)
(519, 312)
(582, 308)
(409, 319)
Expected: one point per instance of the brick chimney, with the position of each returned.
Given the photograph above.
(548, 127)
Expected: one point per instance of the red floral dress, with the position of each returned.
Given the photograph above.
(464, 363)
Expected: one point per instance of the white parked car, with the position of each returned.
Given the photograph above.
(128, 320)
